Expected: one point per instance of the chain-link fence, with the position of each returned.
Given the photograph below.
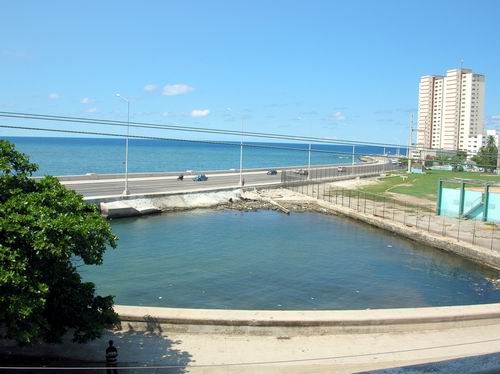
(421, 217)
(340, 172)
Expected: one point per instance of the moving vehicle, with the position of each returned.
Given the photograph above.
(301, 172)
(272, 172)
(341, 169)
(180, 177)
(200, 178)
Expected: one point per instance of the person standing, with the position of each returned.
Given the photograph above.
(111, 358)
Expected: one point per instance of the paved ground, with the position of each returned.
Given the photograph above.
(343, 353)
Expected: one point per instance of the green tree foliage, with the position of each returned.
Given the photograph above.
(487, 155)
(45, 230)
(454, 158)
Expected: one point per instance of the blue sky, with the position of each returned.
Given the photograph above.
(322, 68)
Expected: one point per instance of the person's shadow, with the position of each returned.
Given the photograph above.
(148, 346)
(151, 347)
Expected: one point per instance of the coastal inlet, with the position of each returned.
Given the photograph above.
(263, 259)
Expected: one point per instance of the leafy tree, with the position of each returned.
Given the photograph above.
(403, 161)
(44, 230)
(487, 155)
(454, 158)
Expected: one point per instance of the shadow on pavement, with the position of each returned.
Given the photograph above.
(150, 348)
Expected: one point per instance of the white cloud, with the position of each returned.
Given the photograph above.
(165, 114)
(54, 96)
(197, 113)
(91, 110)
(87, 100)
(150, 87)
(176, 89)
(339, 116)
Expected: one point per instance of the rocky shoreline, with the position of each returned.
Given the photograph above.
(248, 205)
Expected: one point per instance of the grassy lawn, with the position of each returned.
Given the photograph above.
(421, 185)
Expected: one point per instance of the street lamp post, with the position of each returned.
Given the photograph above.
(241, 149)
(241, 155)
(125, 191)
(309, 163)
(410, 137)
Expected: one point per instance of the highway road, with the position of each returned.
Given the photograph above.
(100, 186)
(149, 185)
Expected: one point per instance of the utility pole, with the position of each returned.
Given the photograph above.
(409, 143)
(241, 155)
(309, 163)
(125, 190)
(498, 161)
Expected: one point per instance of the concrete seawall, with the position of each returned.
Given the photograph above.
(469, 251)
(239, 341)
(306, 323)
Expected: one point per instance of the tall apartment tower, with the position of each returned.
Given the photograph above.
(451, 111)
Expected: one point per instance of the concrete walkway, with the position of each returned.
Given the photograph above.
(343, 353)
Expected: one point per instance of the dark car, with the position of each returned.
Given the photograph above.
(272, 172)
(301, 172)
(200, 178)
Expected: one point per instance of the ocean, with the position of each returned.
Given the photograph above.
(75, 156)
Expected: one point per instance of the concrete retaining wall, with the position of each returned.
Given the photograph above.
(472, 252)
(307, 323)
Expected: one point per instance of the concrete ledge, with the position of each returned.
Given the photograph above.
(262, 322)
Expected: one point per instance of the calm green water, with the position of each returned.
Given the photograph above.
(267, 260)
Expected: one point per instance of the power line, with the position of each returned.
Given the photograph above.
(254, 363)
(214, 142)
(47, 117)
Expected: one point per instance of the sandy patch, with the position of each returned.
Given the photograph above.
(355, 183)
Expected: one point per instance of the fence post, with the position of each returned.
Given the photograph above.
(474, 232)
(493, 229)
(364, 209)
(358, 202)
(458, 229)
(342, 201)
(429, 223)
(383, 207)
(416, 220)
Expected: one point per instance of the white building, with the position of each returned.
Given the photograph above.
(451, 111)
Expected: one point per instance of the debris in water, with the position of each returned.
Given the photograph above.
(389, 246)
(160, 297)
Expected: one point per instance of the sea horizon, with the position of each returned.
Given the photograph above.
(81, 155)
